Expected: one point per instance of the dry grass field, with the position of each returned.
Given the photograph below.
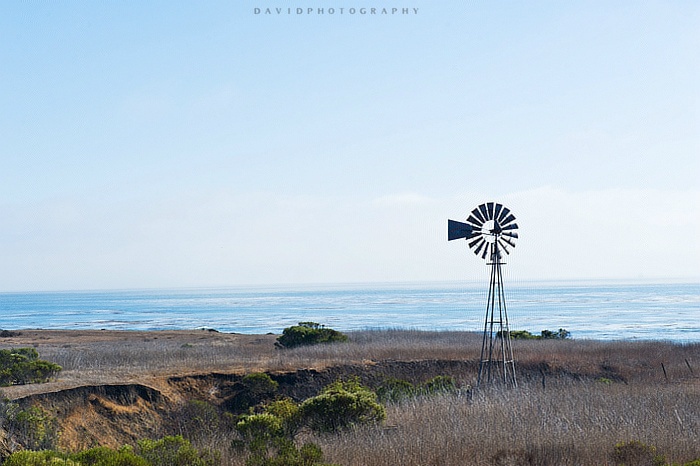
(576, 398)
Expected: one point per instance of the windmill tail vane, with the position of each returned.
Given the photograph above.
(490, 231)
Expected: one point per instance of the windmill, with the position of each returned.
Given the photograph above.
(490, 230)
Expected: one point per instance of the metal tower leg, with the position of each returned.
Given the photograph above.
(497, 363)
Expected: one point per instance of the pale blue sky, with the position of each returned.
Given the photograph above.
(149, 144)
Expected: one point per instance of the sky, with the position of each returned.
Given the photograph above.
(195, 144)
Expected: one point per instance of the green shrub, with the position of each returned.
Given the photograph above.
(341, 405)
(252, 390)
(22, 366)
(38, 458)
(261, 426)
(176, 451)
(259, 385)
(284, 452)
(288, 412)
(33, 427)
(561, 334)
(103, 456)
(308, 333)
(395, 390)
(269, 436)
(440, 384)
(523, 335)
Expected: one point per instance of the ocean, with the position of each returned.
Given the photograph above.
(588, 310)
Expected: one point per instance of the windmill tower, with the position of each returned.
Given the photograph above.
(490, 231)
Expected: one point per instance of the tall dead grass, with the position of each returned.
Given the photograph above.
(577, 424)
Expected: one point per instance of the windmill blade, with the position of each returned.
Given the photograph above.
(497, 212)
(503, 246)
(509, 233)
(486, 250)
(506, 240)
(512, 226)
(474, 221)
(456, 230)
(484, 212)
(507, 220)
(489, 207)
(481, 243)
(504, 212)
(475, 242)
(478, 215)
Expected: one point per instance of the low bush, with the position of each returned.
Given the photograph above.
(22, 366)
(269, 437)
(523, 335)
(561, 334)
(341, 405)
(176, 451)
(103, 456)
(32, 427)
(253, 389)
(393, 390)
(168, 451)
(308, 333)
(259, 385)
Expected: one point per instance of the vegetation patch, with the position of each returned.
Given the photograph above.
(269, 434)
(561, 334)
(22, 365)
(394, 390)
(308, 333)
(167, 451)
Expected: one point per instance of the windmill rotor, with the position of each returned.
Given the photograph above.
(489, 228)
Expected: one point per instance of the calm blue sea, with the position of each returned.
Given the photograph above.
(593, 310)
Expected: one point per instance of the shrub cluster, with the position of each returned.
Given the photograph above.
(168, 451)
(308, 333)
(561, 334)
(398, 389)
(37, 428)
(268, 432)
(22, 366)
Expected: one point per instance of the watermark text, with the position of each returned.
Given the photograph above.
(336, 11)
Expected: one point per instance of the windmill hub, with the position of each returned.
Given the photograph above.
(493, 229)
